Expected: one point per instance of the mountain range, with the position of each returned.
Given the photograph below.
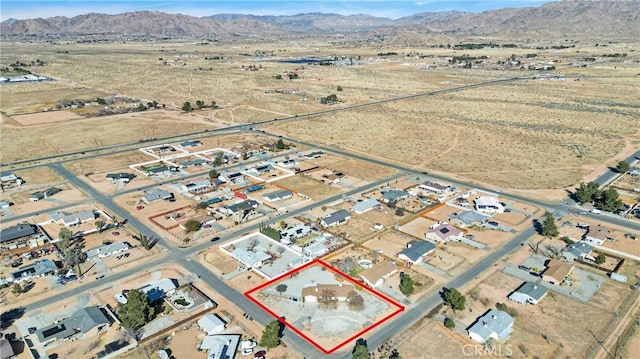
(591, 19)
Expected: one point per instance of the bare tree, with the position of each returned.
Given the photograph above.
(356, 302)
(253, 243)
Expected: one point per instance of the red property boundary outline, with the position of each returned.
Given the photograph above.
(336, 271)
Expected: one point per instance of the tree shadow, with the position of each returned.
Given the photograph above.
(10, 316)
(572, 195)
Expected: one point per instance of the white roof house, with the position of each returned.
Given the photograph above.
(221, 346)
(297, 231)
(488, 204)
(314, 250)
(250, 258)
(443, 232)
(494, 324)
(107, 250)
(212, 324)
(156, 194)
(529, 292)
(366, 205)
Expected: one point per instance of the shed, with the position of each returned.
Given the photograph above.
(212, 324)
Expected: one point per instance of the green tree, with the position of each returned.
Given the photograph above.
(608, 200)
(501, 306)
(360, 351)
(587, 192)
(202, 205)
(144, 241)
(192, 225)
(271, 335)
(549, 228)
(217, 160)
(99, 224)
(213, 104)
(213, 174)
(623, 167)
(186, 107)
(16, 289)
(600, 258)
(449, 323)
(65, 234)
(454, 299)
(281, 288)
(339, 88)
(395, 354)
(135, 313)
(199, 104)
(280, 145)
(74, 256)
(101, 101)
(406, 285)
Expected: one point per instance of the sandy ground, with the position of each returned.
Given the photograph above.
(45, 117)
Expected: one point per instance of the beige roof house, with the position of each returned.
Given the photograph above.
(556, 271)
(376, 274)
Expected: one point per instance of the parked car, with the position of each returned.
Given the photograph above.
(215, 239)
(247, 351)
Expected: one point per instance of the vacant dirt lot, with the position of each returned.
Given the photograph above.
(309, 187)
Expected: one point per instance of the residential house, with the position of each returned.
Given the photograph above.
(494, 324)
(107, 250)
(222, 346)
(338, 292)
(468, 218)
(86, 322)
(314, 250)
(240, 207)
(20, 230)
(394, 195)
(260, 170)
(333, 177)
(416, 251)
(36, 196)
(635, 171)
(73, 219)
(197, 187)
(232, 177)
(434, 187)
(297, 231)
(579, 250)
(189, 144)
(159, 170)
(194, 162)
(122, 177)
(365, 206)
(556, 272)
(377, 273)
(529, 292)
(10, 179)
(166, 148)
(600, 234)
(278, 195)
(289, 163)
(488, 204)
(156, 194)
(335, 218)
(158, 289)
(212, 324)
(34, 270)
(5, 204)
(443, 232)
(312, 155)
(254, 258)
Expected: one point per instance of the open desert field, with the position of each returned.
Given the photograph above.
(498, 134)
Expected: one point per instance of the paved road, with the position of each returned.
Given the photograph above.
(425, 305)
(557, 207)
(107, 202)
(208, 133)
(611, 174)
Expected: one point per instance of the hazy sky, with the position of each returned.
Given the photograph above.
(26, 9)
